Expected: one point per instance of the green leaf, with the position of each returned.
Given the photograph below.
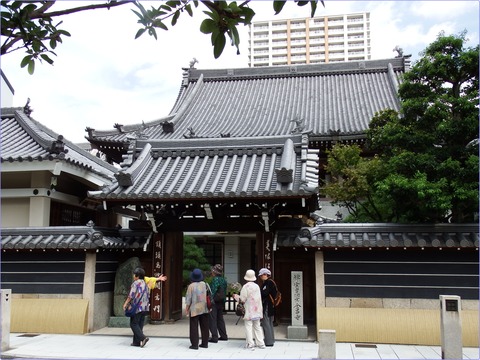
(31, 67)
(188, 8)
(63, 32)
(47, 59)
(139, 33)
(213, 15)
(152, 32)
(208, 26)
(173, 4)
(248, 15)
(159, 24)
(234, 36)
(25, 61)
(175, 17)
(219, 45)
(53, 43)
(138, 14)
(314, 8)
(278, 6)
(142, 9)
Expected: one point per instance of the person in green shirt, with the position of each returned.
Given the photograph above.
(219, 294)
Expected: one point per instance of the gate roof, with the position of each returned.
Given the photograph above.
(258, 167)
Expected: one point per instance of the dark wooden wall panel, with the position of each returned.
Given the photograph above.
(402, 274)
(44, 273)
(106, 268)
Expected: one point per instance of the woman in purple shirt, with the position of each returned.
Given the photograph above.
(139, 293)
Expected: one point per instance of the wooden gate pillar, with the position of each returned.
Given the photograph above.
(158, 256)
(167, 260)
(265, 251)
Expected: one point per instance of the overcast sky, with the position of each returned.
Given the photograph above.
(103, 76)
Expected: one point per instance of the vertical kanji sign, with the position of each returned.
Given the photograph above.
(156, 309)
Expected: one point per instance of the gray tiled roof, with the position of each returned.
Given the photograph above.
(213, 168)
(323, 99)
(71, 237)
(25, 140)
(343, 235)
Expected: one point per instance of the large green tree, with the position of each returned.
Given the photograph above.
(193, 257)
(33, 26)
(427, 164)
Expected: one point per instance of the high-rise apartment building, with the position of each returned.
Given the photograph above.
(316, 40)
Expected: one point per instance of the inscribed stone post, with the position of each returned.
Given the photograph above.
(297, 330)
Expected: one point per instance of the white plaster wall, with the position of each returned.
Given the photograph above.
(15, 212)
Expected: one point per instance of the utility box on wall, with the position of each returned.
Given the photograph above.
(451, 326)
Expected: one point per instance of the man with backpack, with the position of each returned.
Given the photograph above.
(270, 298)
(219, 294)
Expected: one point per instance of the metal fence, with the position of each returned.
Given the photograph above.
(230, 304)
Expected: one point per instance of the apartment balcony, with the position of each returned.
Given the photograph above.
(355, 37)
(297, 25)
(301, 42)
(276, 44)
(336, 39)
(279, 26)
(335, 21)
(354, 19)
(317, 40)
(336, 55)
(317, 61)
(317, 49)
(294, 34)
(279, 35)
(317, 57)
(355, 29)
(260, 52)
(335, 30)
(260, 44)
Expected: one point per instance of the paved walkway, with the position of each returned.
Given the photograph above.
(170, 341)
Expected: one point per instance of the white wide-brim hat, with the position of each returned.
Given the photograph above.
(250, 275)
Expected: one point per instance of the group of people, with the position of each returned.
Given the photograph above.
(257, 299)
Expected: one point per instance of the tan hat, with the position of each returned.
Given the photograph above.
(217, 269)
(250, 275)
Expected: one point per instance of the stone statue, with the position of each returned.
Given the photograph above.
(123, 281)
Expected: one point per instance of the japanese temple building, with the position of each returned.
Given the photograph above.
(239, 161)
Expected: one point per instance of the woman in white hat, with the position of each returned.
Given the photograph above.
(251, 297)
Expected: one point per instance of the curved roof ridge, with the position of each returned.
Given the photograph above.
(53, 146)
(118, 129)
(250, 141)
(298, 70)
(186, 102)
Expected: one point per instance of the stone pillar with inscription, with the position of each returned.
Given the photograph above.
(297, 330)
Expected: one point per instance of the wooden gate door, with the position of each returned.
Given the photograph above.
(287, 261)
(173, 265)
